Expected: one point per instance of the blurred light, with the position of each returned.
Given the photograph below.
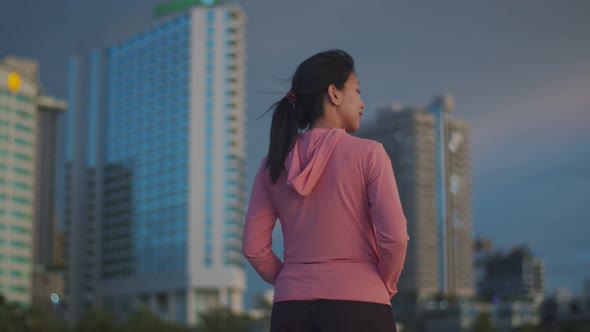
(455, 180)
(54, 298)
(13, 81)
(456, 140)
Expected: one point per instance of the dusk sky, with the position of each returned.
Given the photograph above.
(519, 72)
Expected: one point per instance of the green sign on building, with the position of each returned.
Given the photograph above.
(180, 5)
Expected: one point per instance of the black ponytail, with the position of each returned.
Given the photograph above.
(283, 131)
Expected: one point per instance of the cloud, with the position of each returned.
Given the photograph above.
(554, 116)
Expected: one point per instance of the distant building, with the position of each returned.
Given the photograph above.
(454, 317)
(586, 293)
(155, 185)
(513, 275)
(483, 250)
(431, 156)
(561, 311)
(27, 168)
(509, 315)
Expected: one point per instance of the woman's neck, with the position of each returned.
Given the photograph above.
(327, 122)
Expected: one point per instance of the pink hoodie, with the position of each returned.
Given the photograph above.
(345, 234)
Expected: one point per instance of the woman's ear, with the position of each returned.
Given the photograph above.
(334, 95)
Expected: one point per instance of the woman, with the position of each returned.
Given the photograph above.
(344, 230)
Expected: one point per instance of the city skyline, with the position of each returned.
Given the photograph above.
(519, 73)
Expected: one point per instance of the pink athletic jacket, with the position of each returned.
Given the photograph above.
(345, 234)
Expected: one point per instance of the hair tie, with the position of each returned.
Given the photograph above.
(292, 97)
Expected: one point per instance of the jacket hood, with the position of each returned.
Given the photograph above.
(307, 160)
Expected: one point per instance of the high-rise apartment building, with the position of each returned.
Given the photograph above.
(27, 168)
(430, 153)
(155, 160)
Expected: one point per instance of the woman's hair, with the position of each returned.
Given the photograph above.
(304, 103)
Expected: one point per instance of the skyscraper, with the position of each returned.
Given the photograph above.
(22, 161)
(430, 154)
(48, 278)
(155, 192)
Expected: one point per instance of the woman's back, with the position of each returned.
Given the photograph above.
(322, 202)
(327, 202)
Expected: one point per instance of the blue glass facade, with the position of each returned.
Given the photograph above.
(93, 108)
(146, 152)
(70, 115)
(147, 116)
(441, 197)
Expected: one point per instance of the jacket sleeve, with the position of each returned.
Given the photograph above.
(258, 227)
(388, 218)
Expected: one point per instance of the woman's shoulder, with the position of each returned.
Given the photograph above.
(361, 145)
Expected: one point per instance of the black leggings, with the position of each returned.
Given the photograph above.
(331, 315)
